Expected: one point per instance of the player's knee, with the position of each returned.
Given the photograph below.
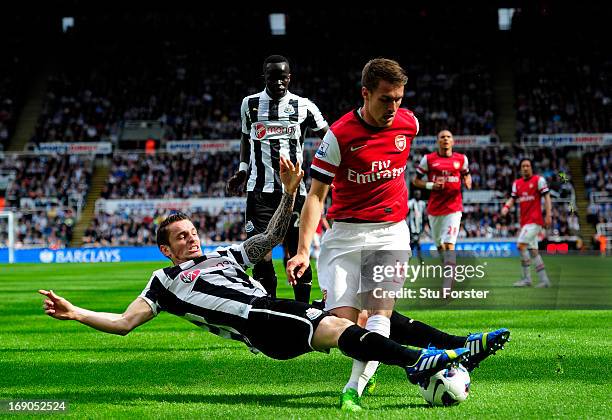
(329, 331)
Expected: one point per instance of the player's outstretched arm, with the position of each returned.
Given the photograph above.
(259, 245)
(136, 314)
(309, 219)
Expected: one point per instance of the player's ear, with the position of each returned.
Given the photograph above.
(165, 249)
(364, 92)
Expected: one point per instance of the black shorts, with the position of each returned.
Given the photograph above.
(261, 208)
(282, 328)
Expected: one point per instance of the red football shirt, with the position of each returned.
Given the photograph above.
(366, 165)
(529, 195)
(450, 169)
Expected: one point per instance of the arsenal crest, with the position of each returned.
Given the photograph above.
(456, 165)
(400, 142)
(189, 276)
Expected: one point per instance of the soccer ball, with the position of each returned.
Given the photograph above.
(447, 387)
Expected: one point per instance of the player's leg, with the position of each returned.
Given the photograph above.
(526, 236)
(284, 329)
(410, 332)
(362, 344)
(259, 210)
(302, 288)
(390, 242)
(539, 264)
(435, 225)
(339, 272)
(449, 231)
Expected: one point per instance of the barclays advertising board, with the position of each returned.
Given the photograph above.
(151, 253)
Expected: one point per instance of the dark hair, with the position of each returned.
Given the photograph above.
(526, 159)
(275, 58)
(162, 230)
(382, 69)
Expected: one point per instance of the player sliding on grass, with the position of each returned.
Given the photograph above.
(214, 292)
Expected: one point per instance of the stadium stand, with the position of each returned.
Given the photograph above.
(12, 88)
(92, 94)
(598, 185)
(561, 86)
(46, 192)
(137, 229)
(166, 175)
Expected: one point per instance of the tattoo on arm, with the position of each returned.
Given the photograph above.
(259, 245)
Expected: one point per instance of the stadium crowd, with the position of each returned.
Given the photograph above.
(46, 180)
(12, 84)
(45, 191)
(598, 181)
(167, 175)
(138, 229)
(561, 86)
(159, 77)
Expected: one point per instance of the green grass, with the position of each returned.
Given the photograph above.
(557, 364)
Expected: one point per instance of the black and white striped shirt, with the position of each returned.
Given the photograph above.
(212, 291)
(416, 214)
(276, 127)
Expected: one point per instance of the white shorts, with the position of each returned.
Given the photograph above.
(339, 264)
(445, 229)
(529, 235)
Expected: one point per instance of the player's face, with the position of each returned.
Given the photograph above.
(184, 241)
(277, 79)
(445, 140)
(381, 104)
(526, 169)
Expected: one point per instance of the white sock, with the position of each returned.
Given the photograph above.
(526, 264)
(540, 269)
(363, 371)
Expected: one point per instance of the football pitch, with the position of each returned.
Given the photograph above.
(557, 364)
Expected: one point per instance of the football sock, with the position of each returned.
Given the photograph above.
(365, 345)
(382, 325)
(301, 290)
(410, 332)
(540, 269)
(264, 273)
(526, 264)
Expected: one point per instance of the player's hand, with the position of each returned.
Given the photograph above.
(438, 184)
(504, 211)
(234, 185)
(548, 221)
(296, 267)
(56, 306)
(290, 174)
